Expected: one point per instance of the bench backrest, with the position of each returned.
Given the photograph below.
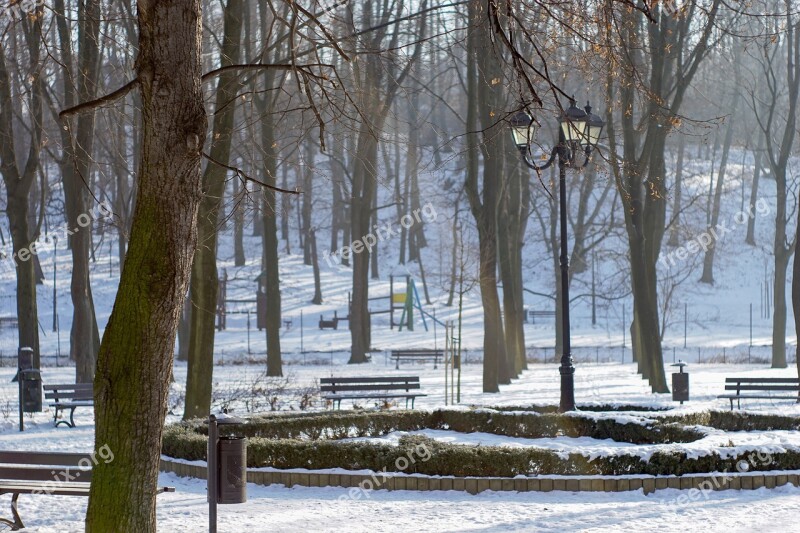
(760, 384)
(417, 352)
(45, 466)
(69, 391)
(334, 385)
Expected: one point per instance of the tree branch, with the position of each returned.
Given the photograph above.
(239, 172)
(98, 102)
(267, 66)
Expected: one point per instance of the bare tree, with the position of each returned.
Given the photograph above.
(19, 162)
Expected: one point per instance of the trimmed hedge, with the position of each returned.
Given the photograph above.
(340, 425)
(311, 441)
(461, 460)
(600, 407)
(735, 421)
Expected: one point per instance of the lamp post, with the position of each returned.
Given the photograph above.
(578, 133)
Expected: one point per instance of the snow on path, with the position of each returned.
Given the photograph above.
(277, 510)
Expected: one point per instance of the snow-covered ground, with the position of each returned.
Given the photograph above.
(276, 509)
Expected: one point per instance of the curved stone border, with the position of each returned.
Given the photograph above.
(474, 485)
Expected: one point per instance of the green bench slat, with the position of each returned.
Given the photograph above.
(764, 387)
(380, 379)
(69, 395)
(762, 380)
(71, 473)
(749, 385)
(367, 387)
(43, 458)
(69, 386)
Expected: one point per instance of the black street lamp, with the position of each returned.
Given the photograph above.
(579, 132)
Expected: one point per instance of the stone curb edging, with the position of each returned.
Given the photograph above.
(475, 485)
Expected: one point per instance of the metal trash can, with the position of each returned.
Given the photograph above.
(31, 387)
(30, 382)
(232, 470)
(680, 384)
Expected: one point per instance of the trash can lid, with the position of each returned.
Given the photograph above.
(680, 364)
(224, 418)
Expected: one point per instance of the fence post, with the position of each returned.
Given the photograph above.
(685, 322)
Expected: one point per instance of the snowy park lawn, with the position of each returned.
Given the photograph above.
(276, 508)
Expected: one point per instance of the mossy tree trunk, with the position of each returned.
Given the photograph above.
(135, 359)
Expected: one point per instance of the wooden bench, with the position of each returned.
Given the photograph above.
(417, 355)
(329, 324)
(533, 314)
(370, 388)
(754, 389)
(69, 396)
(36, 473)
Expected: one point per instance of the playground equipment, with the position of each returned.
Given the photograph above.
(242, 306)
(398, 302)
(409, 300)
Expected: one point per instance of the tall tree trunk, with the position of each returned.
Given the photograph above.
(135, 360)
(796, 300)
(639, 164)
(204, 287)
(308, 199)
(364, 181)
(783, 246)
(19, 179)
(312, 235)
(80, 83)
(510, 253)
(751, 220)
(269, 234)
(677, 193)
(708, 259)
(239, 258)
(184, 330)
(483, 101)
(779, 310)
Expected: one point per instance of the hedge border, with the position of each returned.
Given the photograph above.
(309, 441)
(474, 485)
